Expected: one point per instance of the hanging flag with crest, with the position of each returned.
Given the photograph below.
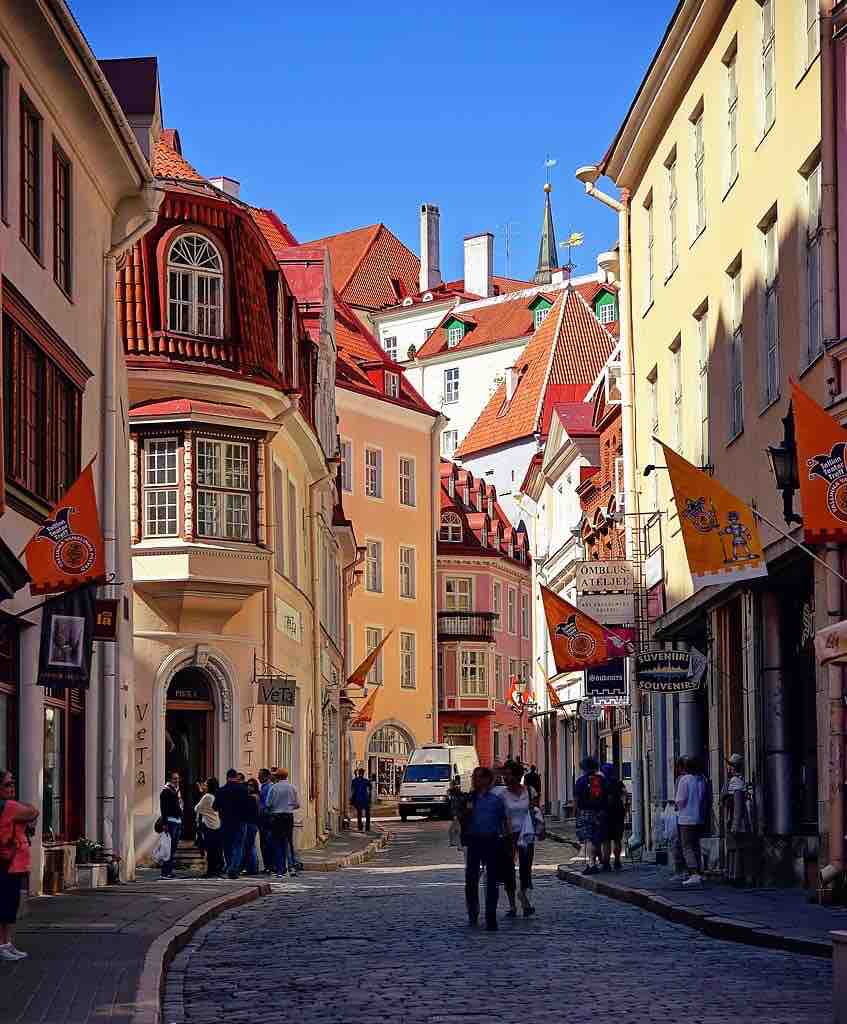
(359, 676)
(67, 550)
(822, 468)
(719, 531)
(364, 716)
(577, 640)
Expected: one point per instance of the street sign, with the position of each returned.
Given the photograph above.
(277, 690)
(612, 576)
(610, 609)
(670, 671)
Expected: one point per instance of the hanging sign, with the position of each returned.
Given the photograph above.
(588, 711)
(607, 683)
(669, 671)
(610, 609)
(67, 631)
(612, 576)
(280, 691)
(106, 620)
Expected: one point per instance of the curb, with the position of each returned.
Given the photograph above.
(716, 927)
(556, 838)
(351, 859)
(147, 1008)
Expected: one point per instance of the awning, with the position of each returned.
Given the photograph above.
(831, 644)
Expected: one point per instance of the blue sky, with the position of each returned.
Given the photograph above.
(343, 114)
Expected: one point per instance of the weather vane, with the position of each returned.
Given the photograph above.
(573, 241)
(549, 163)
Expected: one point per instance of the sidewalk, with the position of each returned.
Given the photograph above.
(774, 918)
(99, 955)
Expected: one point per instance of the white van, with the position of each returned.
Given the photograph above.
(426, 781)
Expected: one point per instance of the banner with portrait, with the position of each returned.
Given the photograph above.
(67, 634)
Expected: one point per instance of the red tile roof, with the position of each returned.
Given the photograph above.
(569, 348)
(576, 417)
(188, 407)
(275, 230)
(167, 158)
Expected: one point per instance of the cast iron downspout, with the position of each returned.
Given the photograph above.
(317, 608)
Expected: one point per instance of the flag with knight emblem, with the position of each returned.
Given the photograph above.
(67, 550)
(719, 531)
(822, 469)
(577, 640)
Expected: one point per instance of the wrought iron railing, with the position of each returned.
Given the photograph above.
(476, 626)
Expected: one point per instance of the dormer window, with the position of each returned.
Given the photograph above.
(195, 287)
(451, 528)
(484, 536)
(606, 309)
(455, 333)
(392, 384)
(539, 316)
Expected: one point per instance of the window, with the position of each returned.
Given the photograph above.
(222, 496)
(702, 319)
(676, 378)
(699, 171)
(407, 482)
(279, 522)
(496, 745)
(512, 610)
(653, 395)
(30, 177)
(347, 466)
(390, 346)
(524, 615)
(4, 124)
(499, 678)
(407, 571)
(160, 487)
(373, 566)
(539, 315)
(673, 240)
(814, 341)
(813, 29)
(42, 416)
(648, 266)
(498, 604)
(392, 384)
(449, 441)
(768, 86)
(459, 593)
(513, 670)
(195, 287)
(293, 546)
(473, 682)
(439, 663)
(455, 335)
(731, 118)
(283, 749)
(451, 384)
(408, 668)
(373, 472)
(373, 638)
(607, 312)
(62, 249)
(770, 319)
(736, 356)
(451, 528)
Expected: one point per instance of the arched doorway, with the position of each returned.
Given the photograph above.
(388, 753)
(189, 736)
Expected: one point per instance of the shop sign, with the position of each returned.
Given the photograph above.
(588, 711)
(654, 568)
(611, 576)
(67, 628)
(606, 684)
(106, 620)
(610, 609)
(278, 690)
(670, 671)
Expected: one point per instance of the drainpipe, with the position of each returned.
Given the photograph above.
(114, 819)
(588, 176)
(435, 521)
(316, 641)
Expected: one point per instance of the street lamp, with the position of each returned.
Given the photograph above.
(783, 460)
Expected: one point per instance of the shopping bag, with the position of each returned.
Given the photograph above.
(162, 849)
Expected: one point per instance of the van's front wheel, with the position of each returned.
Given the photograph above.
(403, 815)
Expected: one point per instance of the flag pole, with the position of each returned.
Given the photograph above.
(797, 543)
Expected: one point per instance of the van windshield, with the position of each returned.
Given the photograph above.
(427, 773)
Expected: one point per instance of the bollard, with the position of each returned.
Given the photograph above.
(839, 977)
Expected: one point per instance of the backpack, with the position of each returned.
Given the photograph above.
(596, 788)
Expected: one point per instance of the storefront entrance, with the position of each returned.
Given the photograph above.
(189, 736)
(388, 754)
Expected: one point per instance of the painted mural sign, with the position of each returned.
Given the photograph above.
(670, 671)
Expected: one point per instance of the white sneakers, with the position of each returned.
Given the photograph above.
(693, 881)
(10, 952)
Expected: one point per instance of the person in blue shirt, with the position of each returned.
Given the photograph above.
(360, 798)
(483, 826)
(265, 783)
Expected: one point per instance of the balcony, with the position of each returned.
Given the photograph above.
(460, 702)
(477, 627)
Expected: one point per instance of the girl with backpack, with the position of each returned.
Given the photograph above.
(616, 792)
(15, 820)
(592, 806)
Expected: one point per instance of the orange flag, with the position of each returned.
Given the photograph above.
(364, 716)
(822, 468)
(359, 675)
(578, 641)
(68, 549)
(720, 532)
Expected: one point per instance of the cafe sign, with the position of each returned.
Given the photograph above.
(669, 671)
(280, 691)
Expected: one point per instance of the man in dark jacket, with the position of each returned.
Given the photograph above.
(533, 780)
(360, 798)
(171, 810)
(234, 805)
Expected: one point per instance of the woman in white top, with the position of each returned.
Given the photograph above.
(209, 829)
(519, 800)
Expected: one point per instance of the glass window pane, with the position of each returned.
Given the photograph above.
(237, 516)
(237, 466)
(54, 764)
(208, 463)
(208, 514)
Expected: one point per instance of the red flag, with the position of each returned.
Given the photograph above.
(358, 677)
(822, 469)
(578, 641)
(68, 549)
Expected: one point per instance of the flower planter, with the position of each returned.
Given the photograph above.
(92, 876)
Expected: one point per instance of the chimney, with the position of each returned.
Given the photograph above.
(228, 185)
(479, 264)
(430, 276)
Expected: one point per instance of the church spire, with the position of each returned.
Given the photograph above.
(548, 259)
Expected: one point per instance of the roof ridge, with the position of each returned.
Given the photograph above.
(557, 332)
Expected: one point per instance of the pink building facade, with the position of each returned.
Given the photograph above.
(484, 621)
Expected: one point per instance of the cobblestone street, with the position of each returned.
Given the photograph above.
(388, 942)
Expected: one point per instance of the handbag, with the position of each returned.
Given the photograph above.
(159, 825)
(538, 823)
(162, 849)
